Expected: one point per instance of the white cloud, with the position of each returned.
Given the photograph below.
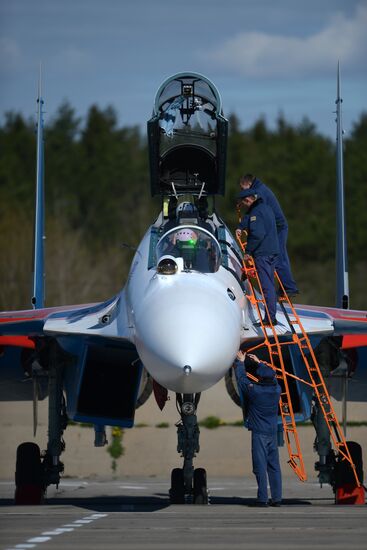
(256, 54)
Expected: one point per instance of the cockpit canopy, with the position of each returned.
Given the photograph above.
(199, 250)
(187, 137)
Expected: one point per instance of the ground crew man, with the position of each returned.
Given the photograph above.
(262, 245)
(261, 418)
(282, 266)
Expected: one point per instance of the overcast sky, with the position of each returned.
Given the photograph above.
(265, 56)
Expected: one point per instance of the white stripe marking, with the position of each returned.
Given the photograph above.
(83, 521)
(67, 528)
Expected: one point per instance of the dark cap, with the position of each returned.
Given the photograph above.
(265, 372)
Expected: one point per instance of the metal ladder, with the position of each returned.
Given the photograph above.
(300, 338)
(316, 381)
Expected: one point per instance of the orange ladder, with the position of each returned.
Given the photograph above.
(316, 379)
(274, 350)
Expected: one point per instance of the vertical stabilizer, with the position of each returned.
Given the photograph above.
(342, 276)
(39, 220)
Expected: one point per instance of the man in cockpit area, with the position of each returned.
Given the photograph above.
(262, 245)
(283, 267)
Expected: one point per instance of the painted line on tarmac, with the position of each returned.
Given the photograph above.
(47, 535)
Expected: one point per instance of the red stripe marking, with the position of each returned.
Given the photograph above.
(354, 341)
(18, 341)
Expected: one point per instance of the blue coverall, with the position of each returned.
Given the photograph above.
(261, 405)
(262, 245)
(282, 264)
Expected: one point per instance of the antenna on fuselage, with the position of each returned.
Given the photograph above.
(39, 219)
(342, 276)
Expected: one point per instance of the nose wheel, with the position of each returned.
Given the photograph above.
(187, 484)
(177, 490)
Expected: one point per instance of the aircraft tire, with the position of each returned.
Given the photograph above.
(343, 471)
(177, 490)
(29, 486)
(231, 387)
(200, 487)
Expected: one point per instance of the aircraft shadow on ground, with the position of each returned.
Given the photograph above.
(154, 503)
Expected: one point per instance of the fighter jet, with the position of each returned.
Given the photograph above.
(178, 322)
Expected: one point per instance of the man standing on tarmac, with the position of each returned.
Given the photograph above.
(262, 245)
(282, 266)
(260, 400)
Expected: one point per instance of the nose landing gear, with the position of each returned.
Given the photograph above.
(188, 484)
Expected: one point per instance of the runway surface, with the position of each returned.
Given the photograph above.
(135, 513)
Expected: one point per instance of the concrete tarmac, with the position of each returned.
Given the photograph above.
(135, 513)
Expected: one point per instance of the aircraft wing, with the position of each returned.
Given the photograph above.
(17, 327)
(101, 359)
(107, 319)
(316, 321)
(349, 323)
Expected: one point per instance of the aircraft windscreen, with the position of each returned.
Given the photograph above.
(197, 247)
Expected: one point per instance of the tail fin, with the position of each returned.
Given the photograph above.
(342, 276)
(39, 220)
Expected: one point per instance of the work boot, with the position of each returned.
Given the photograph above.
(266, 323)
(289, 293)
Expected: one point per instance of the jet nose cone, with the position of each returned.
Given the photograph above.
(188, 334)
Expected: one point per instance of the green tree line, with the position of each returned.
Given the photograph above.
(98, 198)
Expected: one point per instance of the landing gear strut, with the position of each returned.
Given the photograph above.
(57, 420)
(34, 472)
(188, 484)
